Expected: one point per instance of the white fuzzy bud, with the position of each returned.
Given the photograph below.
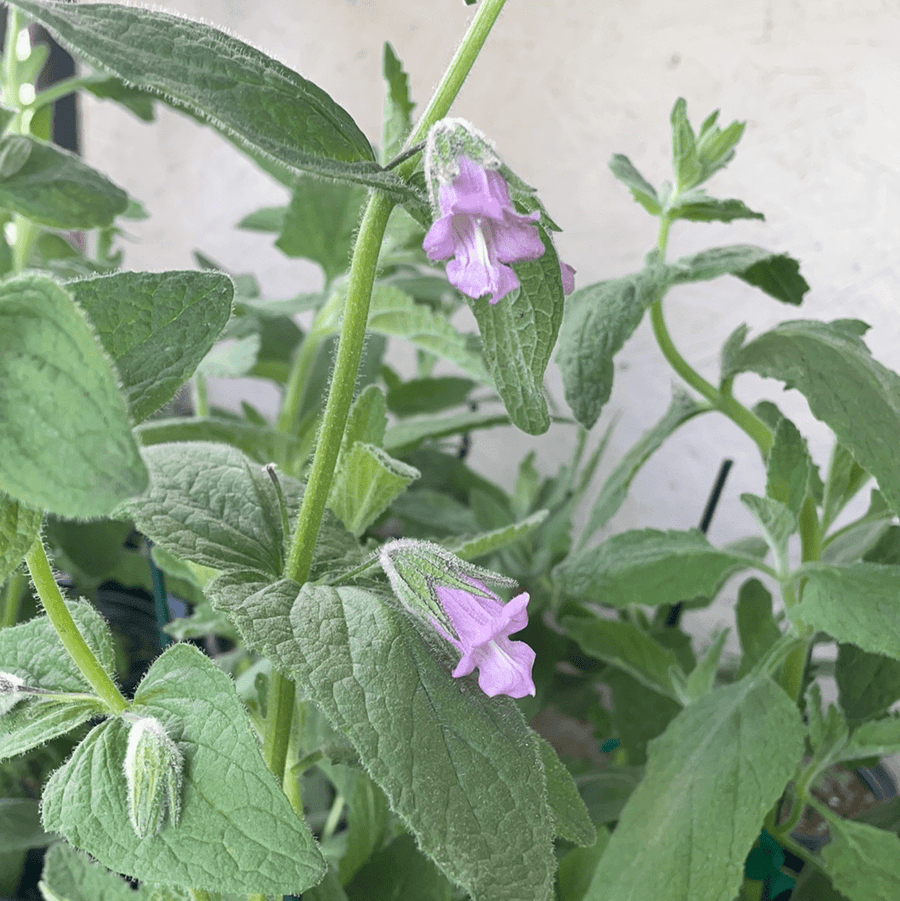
(153, 775)
(11, 691)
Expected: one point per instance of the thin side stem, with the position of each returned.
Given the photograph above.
(282, 692)
(72, 639)
(12, 599)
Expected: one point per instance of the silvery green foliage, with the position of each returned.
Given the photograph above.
(400, 780)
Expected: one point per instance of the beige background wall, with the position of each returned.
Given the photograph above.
(561, 86)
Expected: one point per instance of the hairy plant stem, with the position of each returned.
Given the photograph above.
(340, 395)
(73, 641)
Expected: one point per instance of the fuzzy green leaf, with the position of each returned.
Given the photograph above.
(237, 831)
(623, 645)
(776, 274)
(648, 567)
(263, 106)
(66, 444)
(757, 629)
(598, 320)
(210, 504)
(20, 825)
(641, 189)
(367, 481)
(19, 526)
(406, 434)
(33, 652)
(862, 862)
(570, 817)
(858, 603)
(70, 875)
(56, 188)
(868, 684)
(397, 105)
(475, 546)
(462, 770)
(518, 335)
(831, 366)
(698, 206)
(710, 779)
(156, 326)
(320, 222)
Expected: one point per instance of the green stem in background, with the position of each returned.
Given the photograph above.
(13, 592)
(15, 22)
(201, 402)
(58, 613)
(723, 401)
(282, 692)
(298, 379)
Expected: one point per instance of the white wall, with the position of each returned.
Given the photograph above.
(561, 86)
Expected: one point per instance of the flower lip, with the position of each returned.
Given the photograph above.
(483, 625)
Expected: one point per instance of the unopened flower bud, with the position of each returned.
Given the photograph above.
(153, 775)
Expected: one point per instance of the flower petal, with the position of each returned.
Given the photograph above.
(504, 667)
(439, 243)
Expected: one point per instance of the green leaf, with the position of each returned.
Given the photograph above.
(397, 105)
(136, 101)
(641, 189)
(715, 146)
(862, 862)
(269, 219)
(33, 652)
(395, 314)
(429, 395)
(320, 222)
(776, 274)
(876, 738)
(615, 489)
(577, 867)
(367, 817)
(844, 480)
(399, 871)
(685, 163)
(756, 627)
(209, 504)
(789, 467)
(19, 526)
(70, 875)
(66, 445)
(570, 817)
(698, 206)
(776, 522)
(462, 770)
(237, 831)
(471, 548)
(54, 188)
(156, 326)
(260, 443)
(858, 539)
(518, 334)
(406, 434)
(606, 791)
(623, 645)
(648, 567)
(20, 825)
(858, 603)
(367, 481)
(598, 320)
(702, 677)
(697, 801)
(868, 684)
(264, 107)
(831, 366)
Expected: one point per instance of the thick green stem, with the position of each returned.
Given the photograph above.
(346, 366)
(73, 642)
(15, 22)
(340, 394)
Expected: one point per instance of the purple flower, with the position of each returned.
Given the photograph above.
(484, 624)
(481, 229)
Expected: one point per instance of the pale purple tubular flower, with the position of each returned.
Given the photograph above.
(483, 625)
(481, 229)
